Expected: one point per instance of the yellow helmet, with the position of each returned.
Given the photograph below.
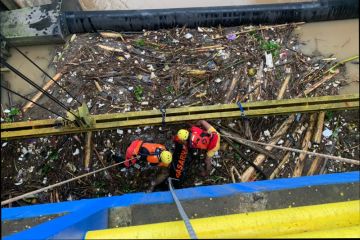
(183, 134)
(166, 157)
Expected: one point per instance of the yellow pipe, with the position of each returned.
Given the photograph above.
(261, 224)
(347, 232)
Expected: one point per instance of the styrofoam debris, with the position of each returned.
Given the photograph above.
(45, 180)
(267, 133)
(69, 100)
(145, 103)
(129, 130)
(280, 142)
(327, 133)
(6, 111)
(188, 35)
(218, 80)
(269, 60)
(119, 131)
(4, 144)
(76, 152)
(19, 182)
(110, 79)
(198, 183)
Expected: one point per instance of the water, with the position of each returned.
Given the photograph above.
(42, 55)
(340, 38)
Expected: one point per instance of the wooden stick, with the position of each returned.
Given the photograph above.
(284, 86)
(112, 35)
(111, 49)
(317, 139)
(322, 81)
(98, 86)
(305, 146)
(234, 81)
(39, 94)
(250, 145)
(232, 170)
(279, 167)
(87, 150)
(107, 174)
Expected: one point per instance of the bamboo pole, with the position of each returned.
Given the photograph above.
(305, 146)
(317, 140)
(39, 94)
(87, 150)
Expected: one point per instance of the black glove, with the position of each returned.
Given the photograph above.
(117, 158)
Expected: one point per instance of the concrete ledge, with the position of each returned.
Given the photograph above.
(33, 26)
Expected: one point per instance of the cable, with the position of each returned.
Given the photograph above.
(33, 102)
(59, 184)
(38, 67)
(347, 160)
(182, 212)
(35, 85)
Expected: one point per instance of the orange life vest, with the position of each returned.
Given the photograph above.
(151, 150)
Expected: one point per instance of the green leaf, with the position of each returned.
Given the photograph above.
(140, 42)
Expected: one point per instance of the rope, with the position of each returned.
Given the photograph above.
(38, 67)
(59, 184)
(182, 212)
(33, 102)
(35, 85)
(163, 114)
(341, 159)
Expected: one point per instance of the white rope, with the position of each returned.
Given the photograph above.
(59, 184)
(182, 212)
(341, 159)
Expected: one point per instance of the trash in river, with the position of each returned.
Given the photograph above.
(142, 71)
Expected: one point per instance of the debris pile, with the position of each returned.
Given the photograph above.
(115, 72)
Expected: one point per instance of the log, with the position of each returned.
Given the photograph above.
(39, 94)
(261, 157)
(317, 140)
(305, 146)
(87, 150)
(319, 128)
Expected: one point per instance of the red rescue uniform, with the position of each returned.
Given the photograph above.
(205, 140)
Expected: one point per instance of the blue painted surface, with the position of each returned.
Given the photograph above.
(92, 214)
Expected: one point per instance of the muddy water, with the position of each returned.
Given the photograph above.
(340, 38)
(42, 56)
(160, 4)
